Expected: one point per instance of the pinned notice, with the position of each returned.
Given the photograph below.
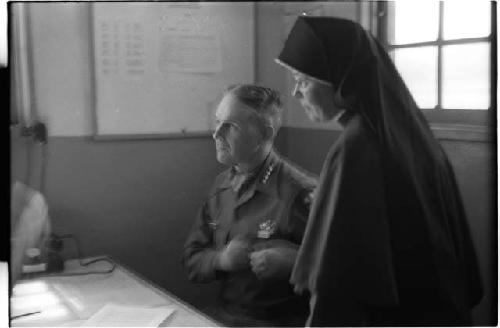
(190, 53)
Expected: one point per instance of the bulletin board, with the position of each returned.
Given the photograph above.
(160, 67)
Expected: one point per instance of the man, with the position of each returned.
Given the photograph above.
(251, 225)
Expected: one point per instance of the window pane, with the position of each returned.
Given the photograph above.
(418, 67)
(466, 77)
(466, 19)
(407, 25)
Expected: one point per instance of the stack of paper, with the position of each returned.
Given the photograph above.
(112, 315)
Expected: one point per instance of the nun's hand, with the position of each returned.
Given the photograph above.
(274, 263)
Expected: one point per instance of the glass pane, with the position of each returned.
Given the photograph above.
(466, 19)
(405, 21)
(466, 76)
(418, 67)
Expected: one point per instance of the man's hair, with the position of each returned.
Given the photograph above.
(265, 101)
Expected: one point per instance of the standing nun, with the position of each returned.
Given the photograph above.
(387, 241)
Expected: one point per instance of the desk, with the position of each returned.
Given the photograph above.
(71, 300)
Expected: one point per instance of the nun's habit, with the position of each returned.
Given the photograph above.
(387, 242)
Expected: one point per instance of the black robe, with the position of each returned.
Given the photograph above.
(387, 241)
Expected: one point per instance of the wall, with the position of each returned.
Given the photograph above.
(61, 62)
(19, 157)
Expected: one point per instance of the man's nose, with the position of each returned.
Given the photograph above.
(217, 132)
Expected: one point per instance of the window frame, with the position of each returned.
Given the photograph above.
(451, 123)
(23, 105)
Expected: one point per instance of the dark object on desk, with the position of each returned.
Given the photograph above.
(38, 131)
(55, 261)
(46, 259)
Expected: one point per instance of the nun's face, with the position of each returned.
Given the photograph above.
(315, 97)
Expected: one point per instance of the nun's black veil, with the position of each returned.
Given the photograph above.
(366, 81)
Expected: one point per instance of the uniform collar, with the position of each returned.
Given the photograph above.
(226, 180)
(267, 177)
(264, 181)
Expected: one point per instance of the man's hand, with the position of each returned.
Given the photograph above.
(273, 259)
(234, 256)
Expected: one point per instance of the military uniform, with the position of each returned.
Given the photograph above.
(273, 204)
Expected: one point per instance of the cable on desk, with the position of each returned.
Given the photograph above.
(78, 251)
(84, 264)
(80, 261)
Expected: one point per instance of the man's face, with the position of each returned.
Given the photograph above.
(237, 136)
(316, 98)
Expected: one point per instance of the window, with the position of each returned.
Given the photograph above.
(446, 53)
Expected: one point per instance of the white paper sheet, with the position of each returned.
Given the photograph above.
(112, 315)
(88, 294)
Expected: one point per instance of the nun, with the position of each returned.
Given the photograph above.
(387, 241)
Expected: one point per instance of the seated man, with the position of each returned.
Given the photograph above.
(252, 222)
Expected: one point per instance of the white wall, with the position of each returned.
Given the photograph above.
(62, 66)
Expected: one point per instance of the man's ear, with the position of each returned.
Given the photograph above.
(269, 133)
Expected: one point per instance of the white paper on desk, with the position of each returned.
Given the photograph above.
(113, 315)
(86, 295)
